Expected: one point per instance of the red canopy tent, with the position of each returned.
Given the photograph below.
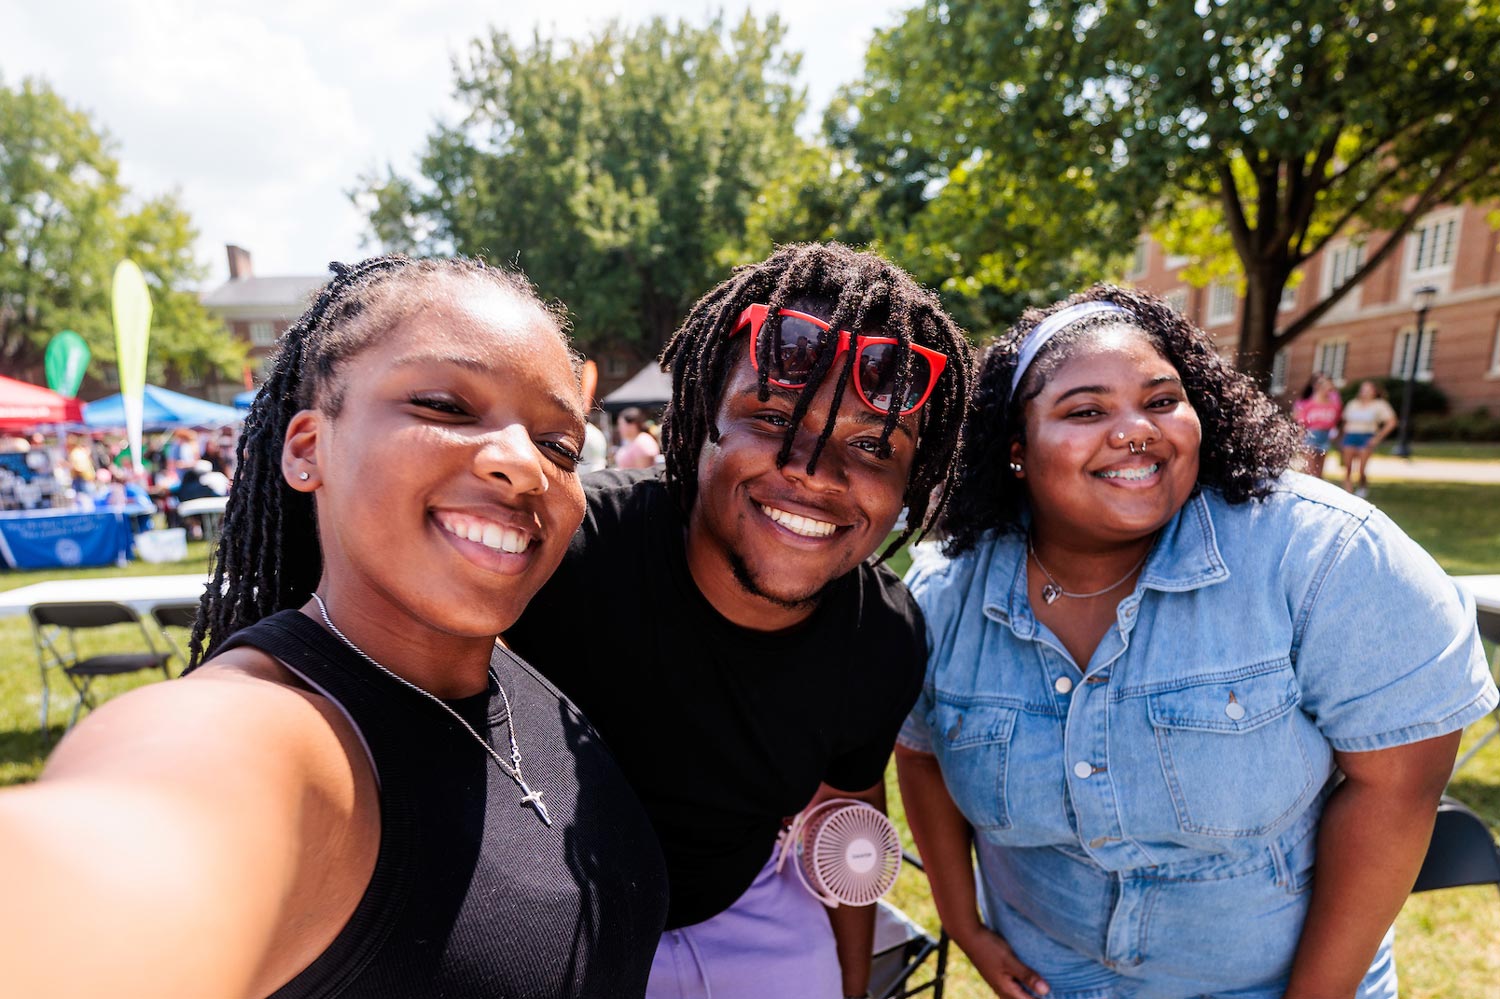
(23, 406)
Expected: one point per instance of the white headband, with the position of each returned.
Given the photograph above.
(1050, 327)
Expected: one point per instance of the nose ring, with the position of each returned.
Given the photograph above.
(1134, 449)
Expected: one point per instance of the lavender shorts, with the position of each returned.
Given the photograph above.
(774, 941)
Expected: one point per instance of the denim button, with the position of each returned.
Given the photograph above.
(1235, 710)
(1082, 769)
(1063, 685)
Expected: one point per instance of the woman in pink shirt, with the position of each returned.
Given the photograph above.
(638, 449)
(1318, 411)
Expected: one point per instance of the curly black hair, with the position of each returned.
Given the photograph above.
(268, 557)
(1247, 440)
(864, 293)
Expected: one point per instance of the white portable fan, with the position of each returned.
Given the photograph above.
(846, 852)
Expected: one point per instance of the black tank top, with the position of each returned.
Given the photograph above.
(472, 896)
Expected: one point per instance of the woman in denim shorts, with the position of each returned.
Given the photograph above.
(1182, 771)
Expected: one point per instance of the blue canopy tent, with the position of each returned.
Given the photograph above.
(246, 399)
(163, 410)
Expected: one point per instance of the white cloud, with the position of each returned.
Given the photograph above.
(262, 115)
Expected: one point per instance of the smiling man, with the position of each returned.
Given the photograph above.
(722, 624)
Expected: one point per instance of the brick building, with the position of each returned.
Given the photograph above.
(258, 310)
(1371, 333)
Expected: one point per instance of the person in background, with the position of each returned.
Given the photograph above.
(182, 452)
(1368, 420)
(638, 449)
(1192, 711)
(355, 791)
(751, 658)
(595, 456)
(80, 462)
(1317, 411)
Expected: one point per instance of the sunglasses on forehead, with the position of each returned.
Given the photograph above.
(795, 349)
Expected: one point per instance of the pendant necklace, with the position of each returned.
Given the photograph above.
(1053, 589)
(512, 770)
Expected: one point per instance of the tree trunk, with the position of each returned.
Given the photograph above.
(1257, 344)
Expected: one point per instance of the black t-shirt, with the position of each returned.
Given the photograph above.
(472, 896)
(723, 731)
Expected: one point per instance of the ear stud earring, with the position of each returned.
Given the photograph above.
(304, 476)
(1015, 467)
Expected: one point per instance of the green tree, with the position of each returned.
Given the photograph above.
(619, 170)
(1247, 132)
(65, 221)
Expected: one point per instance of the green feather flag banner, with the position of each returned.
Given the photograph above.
(67, 358)
(132, 311)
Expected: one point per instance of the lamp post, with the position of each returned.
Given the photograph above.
(1421, 302)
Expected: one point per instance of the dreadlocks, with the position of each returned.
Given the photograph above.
(268, 557)
(866, 294)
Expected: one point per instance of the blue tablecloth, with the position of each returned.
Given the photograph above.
(44, 539)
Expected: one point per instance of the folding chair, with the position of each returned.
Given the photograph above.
(1462, 851)
(1489, 627)
(54, 628)
(902, 948)
(183, 615)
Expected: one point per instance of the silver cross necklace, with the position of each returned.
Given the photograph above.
(512, 770)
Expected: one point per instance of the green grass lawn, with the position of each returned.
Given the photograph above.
(1448, 450)
(1447, 943)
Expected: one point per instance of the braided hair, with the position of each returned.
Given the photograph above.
(866, 293)
(1247, 440)
(268, 557)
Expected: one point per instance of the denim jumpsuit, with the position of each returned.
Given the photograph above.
(1145, 825)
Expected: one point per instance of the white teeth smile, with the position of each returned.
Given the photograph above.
(805, 526)
(485, 532)
(1132, 474)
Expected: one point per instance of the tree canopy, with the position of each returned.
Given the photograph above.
(1036, 137)
(619, 170)
(66, 220)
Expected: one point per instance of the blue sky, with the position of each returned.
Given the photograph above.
(261, 115)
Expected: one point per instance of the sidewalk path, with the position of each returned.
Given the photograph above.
(1384, 468)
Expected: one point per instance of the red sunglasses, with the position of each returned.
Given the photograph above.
(795, 350)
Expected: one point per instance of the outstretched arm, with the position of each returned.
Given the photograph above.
(1371, 840)
(944, 839)
(162, 853)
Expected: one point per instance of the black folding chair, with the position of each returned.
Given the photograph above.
(183, 615)
(1462, 851)
(54, 628)
(902, 948)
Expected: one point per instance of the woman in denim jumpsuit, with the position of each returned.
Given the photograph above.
(1193, 712)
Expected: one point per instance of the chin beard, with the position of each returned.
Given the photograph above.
(747, 581)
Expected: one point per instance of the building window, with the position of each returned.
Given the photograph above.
(1278, 372)
(1288, 297)
(1495, 354)
(615, 366)
(1401, 357)
(1431, 244)
(262, 334)
(1343, 261)
(1329, 357)
(1221, 301)
(1140, 258)
(1177, 298)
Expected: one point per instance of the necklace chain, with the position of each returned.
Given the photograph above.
(1054, 589)
(513, 770)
